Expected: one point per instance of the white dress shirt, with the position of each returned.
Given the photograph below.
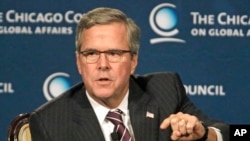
(108, 127)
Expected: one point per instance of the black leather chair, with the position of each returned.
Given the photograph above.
(19, 128)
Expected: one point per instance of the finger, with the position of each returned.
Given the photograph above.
(185, 138)
(175, 124)
(190, 127)
(182, 127)
(192, 122)
(175, 135)
(165, 123)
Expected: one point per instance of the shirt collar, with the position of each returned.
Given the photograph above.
(102, 111)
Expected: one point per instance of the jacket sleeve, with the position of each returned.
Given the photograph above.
(38, 132)
(187, 106)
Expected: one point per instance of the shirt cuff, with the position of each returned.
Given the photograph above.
(218, 133)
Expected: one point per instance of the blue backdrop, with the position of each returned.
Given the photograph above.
(206, 42)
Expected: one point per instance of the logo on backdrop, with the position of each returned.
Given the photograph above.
(163, 20)
(55, 84)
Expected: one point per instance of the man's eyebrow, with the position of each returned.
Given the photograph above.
(90, 49)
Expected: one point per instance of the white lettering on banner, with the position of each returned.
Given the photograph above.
(6, 87)
(222, 18)
(226, 32)
(24, 17)
(205, 90)
(202, 19)
(12, 16)
(70, 17)
(53, 30)
(1, 17)
(49, 19)
(15, 30)
(225, 19)
(248, 33)
(223, 22)
(199, 32)
(215, 32)
(38, 30)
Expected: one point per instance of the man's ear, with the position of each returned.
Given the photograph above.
(134, 63)
(78, 62)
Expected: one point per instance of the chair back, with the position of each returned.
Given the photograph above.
(19, 128)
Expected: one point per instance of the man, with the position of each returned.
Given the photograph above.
(152, 107)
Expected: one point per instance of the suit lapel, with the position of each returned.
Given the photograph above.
(143, 114)
(85, 120)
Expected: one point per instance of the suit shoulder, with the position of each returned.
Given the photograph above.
(157, 76)
(165, 83)
(61, 101)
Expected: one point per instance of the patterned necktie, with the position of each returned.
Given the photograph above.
(116, 118)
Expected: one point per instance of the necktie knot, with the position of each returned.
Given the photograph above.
(116, 118)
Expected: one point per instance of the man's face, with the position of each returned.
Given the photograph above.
(105, 80)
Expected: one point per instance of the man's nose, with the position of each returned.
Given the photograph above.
(103, 62)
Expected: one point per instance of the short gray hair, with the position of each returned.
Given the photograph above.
(102, 16)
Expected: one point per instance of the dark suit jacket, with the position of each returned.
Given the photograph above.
(70, 116)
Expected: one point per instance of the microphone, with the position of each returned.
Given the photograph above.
(115, 136)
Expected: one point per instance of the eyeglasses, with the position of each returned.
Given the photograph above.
(113, 56)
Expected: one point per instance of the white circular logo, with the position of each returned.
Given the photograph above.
(163, 21)
(55, 84)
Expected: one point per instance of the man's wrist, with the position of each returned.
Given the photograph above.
(204, 137)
